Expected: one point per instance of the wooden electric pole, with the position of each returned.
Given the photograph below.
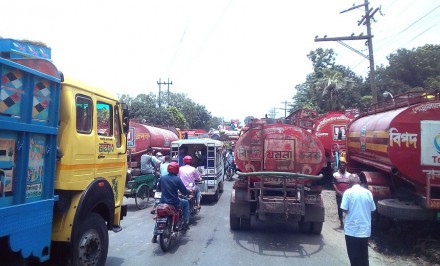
(168, 83)
(366, 20)
(285, 108)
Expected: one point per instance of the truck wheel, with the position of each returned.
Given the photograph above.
(317, 227)
(305, 227)
(142, 196)
(403, 210)
(245, 223)
(234, 223)
(216, 195)
(221, 186)
(90, 245)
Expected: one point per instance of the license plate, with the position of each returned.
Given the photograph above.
(157, 194)
(313, 199)
(161, 220)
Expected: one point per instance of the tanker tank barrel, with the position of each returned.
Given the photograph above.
(280, 175)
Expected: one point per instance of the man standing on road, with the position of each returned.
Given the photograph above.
(340, 184)
(358, 203)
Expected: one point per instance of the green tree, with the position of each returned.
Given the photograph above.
(329, 87)
(410, 69)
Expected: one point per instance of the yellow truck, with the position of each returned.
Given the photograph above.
(63, 161)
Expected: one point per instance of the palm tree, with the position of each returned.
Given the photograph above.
(332, 84)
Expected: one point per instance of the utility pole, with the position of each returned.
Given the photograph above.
(285, 108)
(272, 113)
(168, 83)
(366, 20)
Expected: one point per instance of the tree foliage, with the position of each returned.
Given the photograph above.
(329, 87)
(333, 87)
(411, 69)
(178, 111)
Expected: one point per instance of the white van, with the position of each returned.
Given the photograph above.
(207, 158)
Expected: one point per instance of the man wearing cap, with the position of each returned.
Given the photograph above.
(340, 183)
(160, 157)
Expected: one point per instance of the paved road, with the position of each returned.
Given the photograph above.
(211, 242)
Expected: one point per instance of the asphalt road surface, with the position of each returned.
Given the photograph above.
(211, 242)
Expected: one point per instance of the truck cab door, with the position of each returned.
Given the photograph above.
(110, 149)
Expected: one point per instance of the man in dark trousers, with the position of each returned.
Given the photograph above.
(358, 203)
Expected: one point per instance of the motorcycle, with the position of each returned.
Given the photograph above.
(169, 225)
(230, 170)
(169, 220)
(193, 209)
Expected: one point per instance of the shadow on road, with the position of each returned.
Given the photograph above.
(279, 240)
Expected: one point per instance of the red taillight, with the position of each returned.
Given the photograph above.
(161, 226)
(161, 212)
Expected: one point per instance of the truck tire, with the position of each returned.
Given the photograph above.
(234, 223)
(317, 227)
(90, 245)
(216, 196)
(245, 223)
(305, 227)
(403, 210)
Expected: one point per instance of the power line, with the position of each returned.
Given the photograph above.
(412, 24)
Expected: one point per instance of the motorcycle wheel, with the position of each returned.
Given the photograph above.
(228, 174)
(165, 239)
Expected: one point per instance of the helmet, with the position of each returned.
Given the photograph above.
(173, 168)
(187, 159)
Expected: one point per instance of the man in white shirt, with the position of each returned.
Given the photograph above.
(358, 203)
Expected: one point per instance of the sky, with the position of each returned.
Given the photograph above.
(238, 58)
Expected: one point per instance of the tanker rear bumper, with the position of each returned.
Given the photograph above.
(404, 210)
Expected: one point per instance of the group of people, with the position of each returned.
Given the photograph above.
(357, 203)
(174, 178)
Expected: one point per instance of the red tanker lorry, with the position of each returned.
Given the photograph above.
(395, 146)
(330, 128)
(142, 136)
(279, 166)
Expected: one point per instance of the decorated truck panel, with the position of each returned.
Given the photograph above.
(395, 146)
(279, 164)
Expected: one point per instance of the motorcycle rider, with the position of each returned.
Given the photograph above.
(163, 171)
(170, 185)
(189, 174)
(229, 159)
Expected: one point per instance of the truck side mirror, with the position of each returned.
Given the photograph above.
(125, 118)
